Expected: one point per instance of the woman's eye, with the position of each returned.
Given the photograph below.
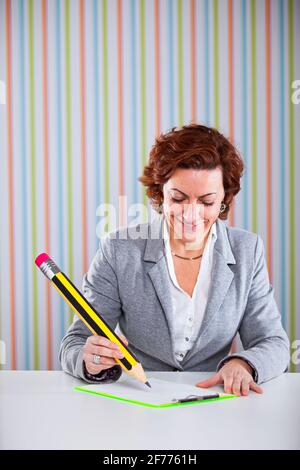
(173, 199)
(176, 200)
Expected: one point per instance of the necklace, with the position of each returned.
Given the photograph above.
(188, 259)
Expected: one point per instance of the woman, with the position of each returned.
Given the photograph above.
(182, 286)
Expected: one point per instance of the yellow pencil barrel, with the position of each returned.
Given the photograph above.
(93, 320)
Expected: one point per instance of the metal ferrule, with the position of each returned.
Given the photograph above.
(49, 268)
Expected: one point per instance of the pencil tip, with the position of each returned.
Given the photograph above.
(147, 383)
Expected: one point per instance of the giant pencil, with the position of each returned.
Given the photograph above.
(88, 315)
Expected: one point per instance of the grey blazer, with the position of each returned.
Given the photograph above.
(128, 284)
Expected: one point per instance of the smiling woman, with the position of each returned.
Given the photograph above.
(192, 176)
(182, 296)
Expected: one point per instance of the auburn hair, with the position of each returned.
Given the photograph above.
(192, 146)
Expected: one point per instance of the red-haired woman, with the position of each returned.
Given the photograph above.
(181, 293)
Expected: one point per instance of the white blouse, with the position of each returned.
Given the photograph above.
(188, 311)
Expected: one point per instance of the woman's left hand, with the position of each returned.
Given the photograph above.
(236, 375)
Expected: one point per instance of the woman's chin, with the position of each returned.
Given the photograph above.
(191, 236)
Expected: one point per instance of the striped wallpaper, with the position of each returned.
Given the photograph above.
(88, 86)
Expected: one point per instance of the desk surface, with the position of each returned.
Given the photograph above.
(41, 410)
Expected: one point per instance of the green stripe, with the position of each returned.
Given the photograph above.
(254, 112)
(105, 103)
(69, 145)
(180, 64)
(33, 187)
(216, 63)
(143, 92)
(292, 181)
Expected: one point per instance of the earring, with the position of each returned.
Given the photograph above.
(223, 207)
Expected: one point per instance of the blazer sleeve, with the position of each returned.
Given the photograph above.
(265, 342)
(100, 288)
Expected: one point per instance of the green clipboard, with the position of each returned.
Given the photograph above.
(161, 394)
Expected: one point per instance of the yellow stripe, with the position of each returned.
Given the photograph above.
(110, 334)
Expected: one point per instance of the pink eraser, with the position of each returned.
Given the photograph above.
(41, 258)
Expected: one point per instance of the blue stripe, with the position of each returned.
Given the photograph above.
(135, 139)
(282, 141)
(244, 103)
(206, 63)
(60, 185)
(96, 113)
(24, 189)
(171, 63)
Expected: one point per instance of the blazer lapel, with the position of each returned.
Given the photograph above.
(159, 277)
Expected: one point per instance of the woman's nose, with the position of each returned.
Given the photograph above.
(193, 213)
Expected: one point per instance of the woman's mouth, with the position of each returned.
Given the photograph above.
(194, 227)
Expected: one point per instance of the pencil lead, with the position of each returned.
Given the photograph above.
(147, 383)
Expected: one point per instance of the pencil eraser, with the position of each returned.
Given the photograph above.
(41, 259)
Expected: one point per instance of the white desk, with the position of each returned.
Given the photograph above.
(40, 410)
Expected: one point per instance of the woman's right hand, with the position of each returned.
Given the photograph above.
(103, 347)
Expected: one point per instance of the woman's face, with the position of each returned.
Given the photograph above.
(192, 200)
